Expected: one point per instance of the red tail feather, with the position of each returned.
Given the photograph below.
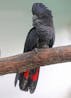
(34, 77)
(26, 74)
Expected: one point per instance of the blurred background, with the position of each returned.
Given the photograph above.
(15, 22)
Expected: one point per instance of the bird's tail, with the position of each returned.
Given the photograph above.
(28, 80)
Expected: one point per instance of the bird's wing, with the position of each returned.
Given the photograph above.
(31, 40)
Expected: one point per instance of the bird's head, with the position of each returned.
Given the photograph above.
(40, 10)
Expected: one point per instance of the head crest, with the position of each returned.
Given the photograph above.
(40, 9)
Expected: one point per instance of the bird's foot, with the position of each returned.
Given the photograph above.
(45, 46)
(36, 50)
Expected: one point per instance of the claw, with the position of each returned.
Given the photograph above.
(36, 50)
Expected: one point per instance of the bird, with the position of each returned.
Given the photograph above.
(41, 35)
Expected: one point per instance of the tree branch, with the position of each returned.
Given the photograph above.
(29, 60)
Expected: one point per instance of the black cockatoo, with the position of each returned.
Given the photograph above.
(42, 35)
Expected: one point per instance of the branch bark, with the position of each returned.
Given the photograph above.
(29, 60)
